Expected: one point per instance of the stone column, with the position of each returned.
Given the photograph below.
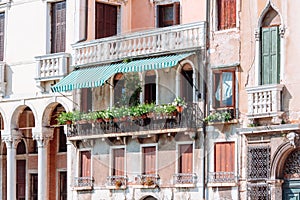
(276, 188)
(42, 142)
(11, 145)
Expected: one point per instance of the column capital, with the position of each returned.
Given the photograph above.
(12, 140)
(42, 140)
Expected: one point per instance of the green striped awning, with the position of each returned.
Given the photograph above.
(96, 76)
(85, 78)
(152, 63)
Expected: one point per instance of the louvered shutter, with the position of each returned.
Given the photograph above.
(176, 13)
(106, 20)
(226, 14)
(2, 20)
(224, 157)
(149, 154)
(186, 158)
(58, 28)
(270, 55)
(119, 161)
(85, 163)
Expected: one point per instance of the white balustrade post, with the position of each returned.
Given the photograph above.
(11, 145)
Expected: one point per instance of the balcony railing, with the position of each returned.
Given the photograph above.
(190, 118)
(185, 179)
(264, 101)
(52, 66)
(156, 41)
(83, 182)
(148, 180)
(221, 177)
(116, 182)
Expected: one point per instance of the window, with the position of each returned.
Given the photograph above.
(2, 20)
(106, 20)
(85, 161)
(63, 185)
(226, 14)
(118, 162)
(150, 87)
(21, 179)
(34, 186)
(62, 140)
(169, 14)
(224, 89)
(186, 83)
(119, 89)
(270, 55)
(58, 27)
(224, 161)
(185, 161)
(86, 101)
(149, 160)
(259, 158)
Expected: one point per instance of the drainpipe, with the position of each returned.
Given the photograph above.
(205, 75)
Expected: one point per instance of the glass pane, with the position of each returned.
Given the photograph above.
(223, 93)
(168, 13)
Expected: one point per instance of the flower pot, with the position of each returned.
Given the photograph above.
(68, 122)
(179, 109)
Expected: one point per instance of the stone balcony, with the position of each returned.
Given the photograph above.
(265, 101)
(157, 41)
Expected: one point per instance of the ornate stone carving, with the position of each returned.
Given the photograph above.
(293, 138)
(257, 34)
(42, 140)
(12, 141)
(281, 31)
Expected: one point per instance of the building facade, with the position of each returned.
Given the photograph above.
(119, 69)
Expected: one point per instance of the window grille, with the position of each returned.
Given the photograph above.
(258, 191)
(258, 162)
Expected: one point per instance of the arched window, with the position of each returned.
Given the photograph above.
(150, 87)
(21, 148)
(270, 48)
(186, 83)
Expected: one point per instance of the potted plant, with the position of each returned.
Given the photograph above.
(148, 182)
(179, 103)
(107, 115)
(118, 183)
(67, 117)
(218, 116)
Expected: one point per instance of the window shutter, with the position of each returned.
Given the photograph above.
(232, 14)
(224, 157)
(176, 13)
(106, 20)
(221, 16)
(118, 167)
(149, 160)
(85, 163)
(270, 55)
(2, 20)
(86, 100)
(58, 40)
(226, 14)
(186, 158)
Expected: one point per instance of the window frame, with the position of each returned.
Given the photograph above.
(79, 172)
(178, 156)
(176, 14)
(215, 86)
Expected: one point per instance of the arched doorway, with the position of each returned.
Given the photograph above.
(186, 83)
(149, 198)
(291, 175)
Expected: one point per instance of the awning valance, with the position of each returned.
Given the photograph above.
(96, 76)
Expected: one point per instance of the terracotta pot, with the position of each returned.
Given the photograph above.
(179, 109)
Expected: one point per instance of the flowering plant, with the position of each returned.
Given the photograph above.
(178, 101)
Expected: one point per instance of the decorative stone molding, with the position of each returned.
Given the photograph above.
(42, 140)
(281, 31)
(257, 34)
(293, 138)
(12, 141)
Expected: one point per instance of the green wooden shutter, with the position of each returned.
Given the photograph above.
(270, 56)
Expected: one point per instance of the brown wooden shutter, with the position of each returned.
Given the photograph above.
(86, 103)
(226, 14)
(119, 162)
(21, 179)
(224, 157)
(85, 163)
(106, 20)
(2, 20)
(176, 13)
(149, 154)
(186, 158)
(58, 27)
(232, 14)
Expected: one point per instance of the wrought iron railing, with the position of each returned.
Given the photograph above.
(83, 182)
(148, 180)
(191, 117)
(221, 177)
(159, 40)
(184, 178)
(116, 181)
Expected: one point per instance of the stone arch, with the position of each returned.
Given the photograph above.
(270, 7)
(48, 112)
(17, 112)
(278, 160)
(148, 197)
